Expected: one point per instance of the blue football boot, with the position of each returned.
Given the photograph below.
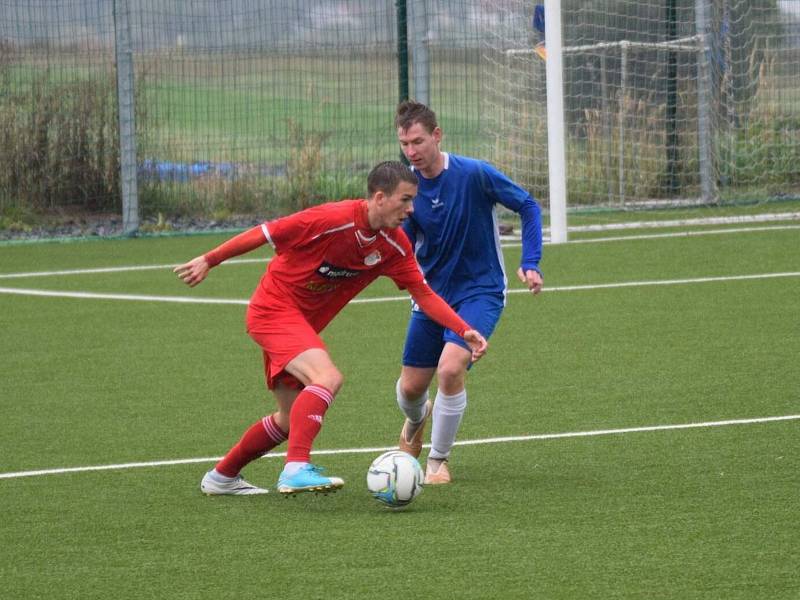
(308, 479)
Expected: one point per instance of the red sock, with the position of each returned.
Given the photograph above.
(305, 421)
(259, 439)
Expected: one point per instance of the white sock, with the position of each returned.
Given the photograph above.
(447, 414)
(413, 410)
(290, 468)
(219, 477)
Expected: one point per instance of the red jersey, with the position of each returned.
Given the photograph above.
(326, 255)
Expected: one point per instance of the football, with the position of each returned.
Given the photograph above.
(395, 478)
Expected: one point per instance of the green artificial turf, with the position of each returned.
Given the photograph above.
(702, 512)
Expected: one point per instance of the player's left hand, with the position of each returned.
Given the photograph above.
(194, 271)
(532, 279)
(477, 343)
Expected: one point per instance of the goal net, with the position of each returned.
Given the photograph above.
(665, 101)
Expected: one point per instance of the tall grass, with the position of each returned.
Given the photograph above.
(59, 146)
(763, 149)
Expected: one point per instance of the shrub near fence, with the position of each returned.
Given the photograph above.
(59, 145)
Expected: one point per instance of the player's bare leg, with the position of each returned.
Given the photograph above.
(284, 398)
(412, 398)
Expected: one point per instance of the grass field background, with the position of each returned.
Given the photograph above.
(705, 512)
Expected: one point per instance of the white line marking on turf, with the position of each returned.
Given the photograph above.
(601, 286)
(514, 242)
(508, 242)
(563, 288)
(678, 234)
(495, 440)
(134, 297)
(759, 218)
(234, 261)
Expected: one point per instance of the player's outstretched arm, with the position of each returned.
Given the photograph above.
(194, 271)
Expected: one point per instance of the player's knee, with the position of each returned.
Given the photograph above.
(412, 390)
(451, 376)
(332, 380)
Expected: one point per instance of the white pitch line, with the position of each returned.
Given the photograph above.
(133, 297)
(602, 286)
(507, 242)
(563, 288)
(117, 269)
(678, 234)
(732, 220)
(495, 440)
(513, 242)
(624, 284)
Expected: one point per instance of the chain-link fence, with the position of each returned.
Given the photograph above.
(235, 106)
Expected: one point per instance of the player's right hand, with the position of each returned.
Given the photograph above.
(194, 271)
(477, 343)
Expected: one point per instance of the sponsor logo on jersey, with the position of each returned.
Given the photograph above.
(329, 271)
(372, 259)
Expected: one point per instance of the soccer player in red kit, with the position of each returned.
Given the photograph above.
(324, 256)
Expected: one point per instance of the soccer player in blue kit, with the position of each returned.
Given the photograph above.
(455, 236)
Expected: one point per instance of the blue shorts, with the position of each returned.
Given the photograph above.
(425, 338)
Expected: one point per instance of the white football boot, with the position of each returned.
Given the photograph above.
(236, 487)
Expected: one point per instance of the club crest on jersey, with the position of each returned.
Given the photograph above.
(372, 259)
(329, 271)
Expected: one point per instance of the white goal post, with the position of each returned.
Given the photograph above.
(556, 129)
(556, 142)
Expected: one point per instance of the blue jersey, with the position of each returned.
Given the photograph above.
(455, 233)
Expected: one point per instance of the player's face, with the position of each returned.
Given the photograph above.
(397, 206)
(421, 148)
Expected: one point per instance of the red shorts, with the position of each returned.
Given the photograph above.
(282, 332)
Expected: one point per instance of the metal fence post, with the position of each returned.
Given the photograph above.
(402, 48)
(622, 117)
(127, 123)
(419, 51)
(707, 184)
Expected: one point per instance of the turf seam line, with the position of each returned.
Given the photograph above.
(494, 440)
